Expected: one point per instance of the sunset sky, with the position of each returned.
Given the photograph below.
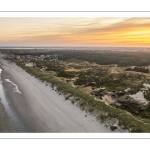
(75, 32)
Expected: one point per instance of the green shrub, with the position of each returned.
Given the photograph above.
(91, 109)
(113, 128)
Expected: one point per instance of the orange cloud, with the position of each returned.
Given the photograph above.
(78, 32)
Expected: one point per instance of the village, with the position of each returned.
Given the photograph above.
(28, 59)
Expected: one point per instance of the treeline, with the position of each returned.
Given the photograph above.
(123, 59)
(138, 69)
(105, 58)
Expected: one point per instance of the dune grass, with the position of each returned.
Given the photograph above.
(87, 102)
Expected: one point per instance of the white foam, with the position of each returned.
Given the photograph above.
(16, 87)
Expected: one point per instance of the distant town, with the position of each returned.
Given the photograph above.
(28, 58)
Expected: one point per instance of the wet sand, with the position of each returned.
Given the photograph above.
(6, 125)
(40, 108)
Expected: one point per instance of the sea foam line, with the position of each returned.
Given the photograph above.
(16, 87)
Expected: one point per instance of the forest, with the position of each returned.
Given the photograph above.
(122, 59)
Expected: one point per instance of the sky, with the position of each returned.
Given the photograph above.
(92, 32)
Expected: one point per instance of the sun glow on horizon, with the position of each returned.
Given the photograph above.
(75, 32)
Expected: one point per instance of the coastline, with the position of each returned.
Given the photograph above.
(42, 109)
(6, 125)
(8, 120)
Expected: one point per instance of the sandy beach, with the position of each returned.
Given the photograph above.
(42, 109)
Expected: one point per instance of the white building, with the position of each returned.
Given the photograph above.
(29, 64)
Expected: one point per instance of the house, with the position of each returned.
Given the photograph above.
(29, 57)
(29, 64)
(18, 57)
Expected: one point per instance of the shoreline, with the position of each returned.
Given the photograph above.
(53, 114)
(6, 126)
(11, 119)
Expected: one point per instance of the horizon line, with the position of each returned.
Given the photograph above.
(74, 47)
